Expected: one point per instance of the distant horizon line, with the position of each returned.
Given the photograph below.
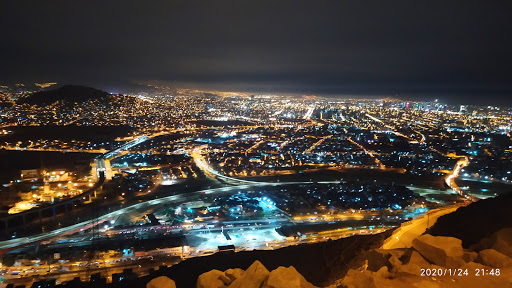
(405, 96)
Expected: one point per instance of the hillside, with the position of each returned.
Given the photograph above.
(331, 259)
(476, 221)
(67, 94)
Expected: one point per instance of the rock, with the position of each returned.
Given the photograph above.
(469, 256)
(417, 259)
(252, 278)
(234, 274)
(383, 272)
(395, 263)
(380, 257)
(506, 274)
(405, 281)
(414, 264)
(358, 279)
(210, 279)
(225, 279)
(161, 282)
(442, 251)
(493, 258)
(501, 241)
(283, 277)
(398, 253)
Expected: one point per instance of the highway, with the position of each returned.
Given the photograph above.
(17, 242)
(381, 166)
(156, 258)
(9, 244)
(200, 162)
(450, 179)
(309, 113)
(195, 153)
(126, 146)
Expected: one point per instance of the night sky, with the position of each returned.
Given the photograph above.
(457, 51)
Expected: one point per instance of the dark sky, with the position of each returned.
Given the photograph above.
(460, 51)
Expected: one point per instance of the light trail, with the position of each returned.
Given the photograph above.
(450, 179)
(126, 146)
(316, 144)
(203, 165)
(309, 113)
(381, 166)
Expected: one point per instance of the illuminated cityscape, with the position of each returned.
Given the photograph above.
(184, 165)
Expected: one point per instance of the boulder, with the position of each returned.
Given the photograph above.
(383, 272)
(398, 253)
(378, 258)
(395, 263)
(161, 282)
(211, 279)
(417, 259)
(501, 241)
(493, 258)
(442, 251)
(283, 277)
(252, 278)
(469, 256)
(381, 279)
(506, 274)
(414, 264)
(225, 279)
(234, 274)
(358, 279)
(405, 281)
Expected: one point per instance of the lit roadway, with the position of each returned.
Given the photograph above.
(316, 144)
(203, 165)
(450, 179)
(13, 243)
(17, 242)
(140, 265)
(381, 166)
(309, 113)
(9, 244)
(403, 236)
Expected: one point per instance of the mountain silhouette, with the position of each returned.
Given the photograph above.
(68, 94)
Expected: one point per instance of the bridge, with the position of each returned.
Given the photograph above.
(124, 147)
(209, 171)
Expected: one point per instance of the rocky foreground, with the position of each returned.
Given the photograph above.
(438, 261)
(431, 262)
(256, 276)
